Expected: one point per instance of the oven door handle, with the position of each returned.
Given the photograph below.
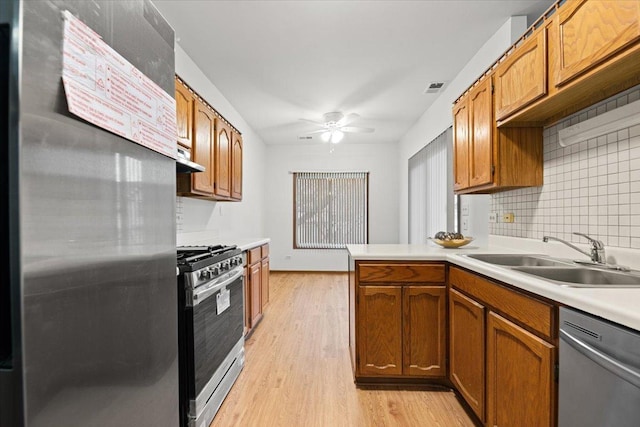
(203, 292)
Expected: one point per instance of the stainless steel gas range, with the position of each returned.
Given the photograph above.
(211, 308)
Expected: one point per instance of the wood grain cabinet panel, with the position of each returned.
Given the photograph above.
(380, 330)
(520, 366)
(222, 160)
(204, 129)
(264, 283)
(236, 166)
(255, 287)
(481, 134)
(184, 114)
(591, 31)
(461, 145)
(537, 315)
(424, 331)
(467, 350)
(401, 272)
(522, 77)
(488, 159)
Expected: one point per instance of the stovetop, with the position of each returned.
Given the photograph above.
(191, 258)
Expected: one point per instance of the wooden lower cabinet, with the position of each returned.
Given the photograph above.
(520, 376)
(255, 276)
(256, 285)
(400, 320)
(264, 283)
(467, 350)
(424, 330)
(380, 330)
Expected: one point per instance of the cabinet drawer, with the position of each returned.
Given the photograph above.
(254, 255)
(405, 272)
(528, 311)
(265, 250)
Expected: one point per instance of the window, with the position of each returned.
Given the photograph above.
(330, 209)
(432, 205)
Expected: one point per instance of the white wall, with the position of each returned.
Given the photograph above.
(438, 118)
(224, 221)
(381, 163)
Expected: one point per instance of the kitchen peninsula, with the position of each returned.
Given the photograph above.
(420, 314)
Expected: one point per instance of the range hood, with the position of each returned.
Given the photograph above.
(184, 163)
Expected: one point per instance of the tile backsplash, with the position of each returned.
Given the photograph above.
(591, 187)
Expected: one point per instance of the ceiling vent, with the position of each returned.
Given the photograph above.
(434, 87)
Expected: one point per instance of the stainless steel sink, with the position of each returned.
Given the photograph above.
(513, 260)
(583, 277)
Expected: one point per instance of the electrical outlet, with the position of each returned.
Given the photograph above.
(465, 210)
(493, 217)
(508, 217)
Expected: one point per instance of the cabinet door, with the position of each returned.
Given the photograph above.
(202, 182)
(380, 330)
(522, 77)
(461, 145)
(480, 134)
(591, 31)
(520, 387)
(247, 301)
(236, 167)
(255, 276)
(466, 355)
(264, 282)
(184, 114)
(424, 325)
(222, 160)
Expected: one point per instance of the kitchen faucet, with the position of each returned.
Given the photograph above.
(597, 248)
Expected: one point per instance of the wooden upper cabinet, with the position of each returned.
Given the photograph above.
(481, 126)
(222, 160)
(467, 349)
(522, 77)
(236, 167)
(520, 389)
(424, 325)
(184, 114)
(591, 31)
(204, 128)
(380, 330)
(461, 145)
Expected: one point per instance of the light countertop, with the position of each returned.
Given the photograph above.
(620, 305)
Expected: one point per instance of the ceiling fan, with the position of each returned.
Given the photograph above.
(335, 125)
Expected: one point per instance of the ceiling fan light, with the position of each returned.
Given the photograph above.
(336, 136)
(326, 136)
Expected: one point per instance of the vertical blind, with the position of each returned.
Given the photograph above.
(330, 209)
(431, 189)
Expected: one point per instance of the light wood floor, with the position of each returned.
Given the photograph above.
(298, 372)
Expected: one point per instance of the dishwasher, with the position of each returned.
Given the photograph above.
(599, 373)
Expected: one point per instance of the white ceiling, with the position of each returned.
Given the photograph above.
(279, 61)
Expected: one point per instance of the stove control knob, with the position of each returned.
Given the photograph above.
(205, 274)
(215, 271)
(225, 265)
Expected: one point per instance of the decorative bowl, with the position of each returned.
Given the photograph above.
(455, 243)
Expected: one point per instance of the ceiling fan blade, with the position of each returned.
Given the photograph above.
(316, 131)
(313, 122)
(349, 118)
(354, 129)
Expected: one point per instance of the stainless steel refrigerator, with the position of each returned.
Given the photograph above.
(88, 289)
